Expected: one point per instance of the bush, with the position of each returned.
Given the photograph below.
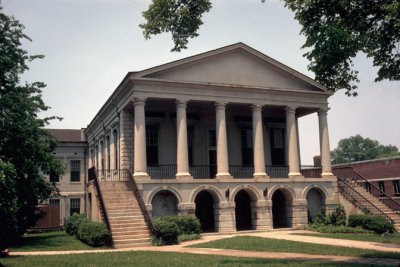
(375, 223)
(187, 224)
(320, 218)
(94, 234)
(336, 229)
(186, 237)
(73, 222)
(166, 232)
(338, 217)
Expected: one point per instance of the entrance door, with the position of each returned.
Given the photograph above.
(279, 211)
(205, 211)
(243, 211)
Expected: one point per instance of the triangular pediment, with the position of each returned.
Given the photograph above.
(237, 65)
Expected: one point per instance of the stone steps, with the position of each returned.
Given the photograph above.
(128, 227)
(395, 217)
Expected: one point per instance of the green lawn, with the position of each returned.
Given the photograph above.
(274, 245)
(392, 238)
(154, 259)
(49, 241)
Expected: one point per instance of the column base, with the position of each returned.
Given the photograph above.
(295, 174)
(141, 175)
(260, 176)
(223, 175)
(183, 175)
(327, 174)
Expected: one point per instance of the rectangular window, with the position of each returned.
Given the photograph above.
(74, 206)
(190, 132)
(381, 186)
(247, 146)
(152, 144)
(75, 170)
(212, 139)
(368, 187)
(115, 149)
(396, 187)
(54, 202)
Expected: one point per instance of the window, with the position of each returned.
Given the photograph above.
(396, 187)
(54, 178)
(381, 186)
(102, 155)
(54, 202)
(115, 149)
(75, 170)
(368, 187)
(74, 205)
(190, 132)
(212, 139)
(152, 144)
(108, 166)
(247, 146)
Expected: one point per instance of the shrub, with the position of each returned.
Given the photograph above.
(338, 217)
(188, 225)
(73, 222)
(94, 234)
(320, 218)
(336, 229)
(166, 232)
(187, 237)
(375, 223)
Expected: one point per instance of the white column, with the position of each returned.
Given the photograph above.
(324, 142)
(140, 162)
(291, 133)
(258, 142)
(182, 158)
(222, 143)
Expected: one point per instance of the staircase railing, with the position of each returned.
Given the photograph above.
(92, 177)
(126, 175)
(373, 189)
(358, 199)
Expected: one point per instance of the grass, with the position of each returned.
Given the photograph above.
(54, 241)
(392, 238)
(154, 259)
(274, 245)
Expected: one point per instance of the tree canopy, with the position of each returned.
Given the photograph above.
(335, 31)
(357, 148)
(26, 148)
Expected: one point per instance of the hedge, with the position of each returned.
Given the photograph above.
(91, 233)
(375, 223)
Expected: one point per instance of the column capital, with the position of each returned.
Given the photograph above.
(220, 105)
(256, 107)
(290, 109)
(323, 111)
(139, 101)
(181, 103)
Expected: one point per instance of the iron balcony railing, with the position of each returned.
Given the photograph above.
(277, 171)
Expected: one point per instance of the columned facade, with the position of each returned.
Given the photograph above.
(291, 132)
(324, 143)
(258, 141)
(222, 143)
(182, 159)
(140, 164)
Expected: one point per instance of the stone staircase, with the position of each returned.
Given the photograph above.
(378, 206)
(127, 223)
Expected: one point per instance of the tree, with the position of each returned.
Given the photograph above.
(26, 148)
(335, 32)
(357, 148)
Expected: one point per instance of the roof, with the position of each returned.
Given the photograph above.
(67, 135)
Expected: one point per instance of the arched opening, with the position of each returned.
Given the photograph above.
(205, 211)
(243, 211)
(281, 209)
(315, 203)
(164, 203)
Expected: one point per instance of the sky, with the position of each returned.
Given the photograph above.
(90, 45)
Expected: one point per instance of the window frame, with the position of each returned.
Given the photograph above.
(74, 175)
(72, 209)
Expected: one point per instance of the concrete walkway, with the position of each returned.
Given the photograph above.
(286, 235)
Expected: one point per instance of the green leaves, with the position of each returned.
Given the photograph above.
(26, 149)
(357, 148)
(180, 17)
(335, 31)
